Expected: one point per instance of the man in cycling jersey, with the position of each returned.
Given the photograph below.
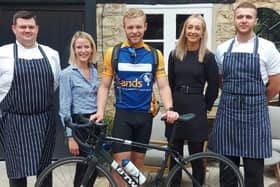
(133, 90)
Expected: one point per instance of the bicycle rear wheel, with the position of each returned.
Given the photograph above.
(218, 172)
(63, 173)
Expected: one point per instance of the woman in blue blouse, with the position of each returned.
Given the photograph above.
(78, 90)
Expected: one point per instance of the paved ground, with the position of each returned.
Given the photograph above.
(269, 178)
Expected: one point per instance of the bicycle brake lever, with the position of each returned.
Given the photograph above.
(186, 117)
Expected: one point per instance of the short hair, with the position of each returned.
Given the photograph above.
(24, 14)
(246, 5)
(85, 35)
(134, 13)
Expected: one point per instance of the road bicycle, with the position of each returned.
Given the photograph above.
(217, 168)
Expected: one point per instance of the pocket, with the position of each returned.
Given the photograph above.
(78, 83)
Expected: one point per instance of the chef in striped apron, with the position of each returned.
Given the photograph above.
(28, 78)
(250, 70)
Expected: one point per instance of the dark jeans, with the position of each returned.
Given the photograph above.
(197, 166)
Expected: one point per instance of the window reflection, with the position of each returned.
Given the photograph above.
(154, 34)
(180, 19)
(268, 25)
(155, 27)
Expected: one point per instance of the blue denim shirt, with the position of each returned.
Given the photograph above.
(77, 95)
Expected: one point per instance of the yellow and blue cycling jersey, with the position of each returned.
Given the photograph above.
(135, 70)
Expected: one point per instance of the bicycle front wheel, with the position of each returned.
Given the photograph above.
(215, 171)
(63, 173)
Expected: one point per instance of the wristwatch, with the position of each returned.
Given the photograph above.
(170, 108)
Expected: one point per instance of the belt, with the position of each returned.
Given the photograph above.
(189, 90)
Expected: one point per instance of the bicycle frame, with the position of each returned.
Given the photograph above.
(102, 139)
(168, 152)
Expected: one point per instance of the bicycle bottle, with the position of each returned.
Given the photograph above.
(133, 171)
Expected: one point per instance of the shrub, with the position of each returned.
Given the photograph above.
(108, 119)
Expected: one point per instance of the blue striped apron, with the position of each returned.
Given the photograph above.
(242, 125)
(28, 128)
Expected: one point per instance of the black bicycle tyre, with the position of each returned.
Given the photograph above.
(207, 155)
(74, 159)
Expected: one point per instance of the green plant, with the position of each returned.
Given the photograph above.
(108, 119)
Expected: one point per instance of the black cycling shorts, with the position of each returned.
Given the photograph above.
(134, 126)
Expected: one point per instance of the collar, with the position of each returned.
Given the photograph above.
(75, 67)
(139, 45)
(20, 46)
(251, 40)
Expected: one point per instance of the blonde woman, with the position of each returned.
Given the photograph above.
(78, 90)
(190, 66)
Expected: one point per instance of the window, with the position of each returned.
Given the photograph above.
(165, 23)
(154, 33)
(268, 25)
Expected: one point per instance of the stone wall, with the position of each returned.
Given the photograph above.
(109, 27)
(109, 33)
(223, 15)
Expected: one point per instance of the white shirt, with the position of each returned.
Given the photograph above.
(269, 55)
(7, 63)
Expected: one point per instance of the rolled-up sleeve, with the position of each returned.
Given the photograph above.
(65, 98)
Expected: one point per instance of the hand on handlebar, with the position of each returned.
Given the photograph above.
(170, 116)
(96, 117)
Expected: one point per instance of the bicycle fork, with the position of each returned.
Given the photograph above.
(90, 172)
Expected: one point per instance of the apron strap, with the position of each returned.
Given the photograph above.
(256, 45)
(15, 52)
(43, 53)
(231, 45)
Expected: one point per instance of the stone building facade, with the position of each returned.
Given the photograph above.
(110, 31)
(224, 17)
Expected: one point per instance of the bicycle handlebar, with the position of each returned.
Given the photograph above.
(86, 123)
(183, 117)
(83, 124)
(89, 123)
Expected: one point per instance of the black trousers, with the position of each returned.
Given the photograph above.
(197, 166)
(21, 182)
(253, 172)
